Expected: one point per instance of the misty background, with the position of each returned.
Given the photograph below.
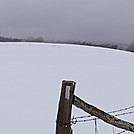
(85, 20)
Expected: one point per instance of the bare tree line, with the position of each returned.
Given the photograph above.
(119, 46)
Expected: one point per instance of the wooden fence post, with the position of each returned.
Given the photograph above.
(63, 125)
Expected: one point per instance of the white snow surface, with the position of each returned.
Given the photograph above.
(30, 84)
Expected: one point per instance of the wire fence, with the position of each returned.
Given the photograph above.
(87, 118)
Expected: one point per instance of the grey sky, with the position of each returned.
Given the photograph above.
(90, 20)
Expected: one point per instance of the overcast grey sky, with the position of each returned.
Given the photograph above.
(90, 20)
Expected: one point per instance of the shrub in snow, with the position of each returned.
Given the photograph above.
(33, 39)
(129, 47)
(121, 47)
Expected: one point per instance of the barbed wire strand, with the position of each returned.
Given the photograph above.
(80, 117)
(123, 109)
(121, 132)
(124, 113)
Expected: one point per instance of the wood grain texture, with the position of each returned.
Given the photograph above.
(63, 123)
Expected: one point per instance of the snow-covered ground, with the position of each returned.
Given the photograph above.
(30, 82)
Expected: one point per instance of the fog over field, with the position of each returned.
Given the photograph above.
(83, 20)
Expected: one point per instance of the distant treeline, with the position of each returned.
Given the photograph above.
(7, 39)
(40, 39)
(29, 39)
(119, 46)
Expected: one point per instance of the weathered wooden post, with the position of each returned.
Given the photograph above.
(63, 124)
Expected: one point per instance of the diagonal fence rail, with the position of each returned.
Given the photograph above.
(94, 111)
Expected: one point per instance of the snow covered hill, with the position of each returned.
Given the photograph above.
(30, 81)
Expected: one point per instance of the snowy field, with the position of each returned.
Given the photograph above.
(30, 82)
